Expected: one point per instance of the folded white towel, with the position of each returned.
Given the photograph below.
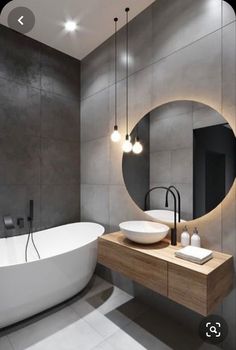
(194, 254)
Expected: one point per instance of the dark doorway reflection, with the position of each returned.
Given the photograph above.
(214, 166)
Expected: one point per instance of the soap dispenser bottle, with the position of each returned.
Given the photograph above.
(185, 237)
(195, 239)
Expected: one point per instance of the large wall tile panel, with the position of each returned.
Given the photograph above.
(59, 73)
(20, 58)
(20, 109)
(39, 133)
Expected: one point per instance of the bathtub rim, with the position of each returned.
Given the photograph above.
(59, 254)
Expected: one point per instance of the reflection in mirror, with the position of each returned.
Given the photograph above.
(187, 145)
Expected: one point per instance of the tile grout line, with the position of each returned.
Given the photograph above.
(159, 60)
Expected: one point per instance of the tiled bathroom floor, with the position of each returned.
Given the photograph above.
(103, 318)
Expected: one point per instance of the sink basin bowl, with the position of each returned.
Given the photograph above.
(163, 215)
(145, 232)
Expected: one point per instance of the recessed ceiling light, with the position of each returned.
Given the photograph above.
(70, 26)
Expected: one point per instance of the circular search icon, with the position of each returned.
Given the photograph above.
(213, 329)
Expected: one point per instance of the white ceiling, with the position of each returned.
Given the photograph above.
(95, 19)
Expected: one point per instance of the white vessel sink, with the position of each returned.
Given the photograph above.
(163, 215)
(145, 232)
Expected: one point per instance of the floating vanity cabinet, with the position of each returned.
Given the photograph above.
(197, 287)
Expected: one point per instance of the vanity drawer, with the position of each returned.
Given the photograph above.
(148, 271)
(197, 291)
(188, 288)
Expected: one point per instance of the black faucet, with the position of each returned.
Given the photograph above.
(168, 190)
(179, 200)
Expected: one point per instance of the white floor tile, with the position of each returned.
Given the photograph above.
(123, 341)
(5, 344)
(40, 330)
(78, 335)
(103, 346)
(101, 324)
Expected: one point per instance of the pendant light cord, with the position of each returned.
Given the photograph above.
(116, 20)
(127, 71)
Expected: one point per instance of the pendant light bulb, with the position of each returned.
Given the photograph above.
(137, 147)
(115, 136)
(127, 145)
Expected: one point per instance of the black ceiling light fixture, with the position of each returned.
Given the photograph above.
(115, 136)
(127, 145)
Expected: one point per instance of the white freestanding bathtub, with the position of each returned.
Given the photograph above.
(68, 259)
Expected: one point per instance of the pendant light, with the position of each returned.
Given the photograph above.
(137, 147)
(127, 145)
(115, 136)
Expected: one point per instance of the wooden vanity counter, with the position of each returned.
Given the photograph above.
(198, 287)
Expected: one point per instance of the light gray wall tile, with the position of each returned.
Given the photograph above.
(184, 21)
(160, 134)
(115, 164)
(96, 69)
(95, 108)
(160, 167)
(181, 132)
(229, 74)
(182, 166)
(140, 40)
(97, 161)
(229, 223)
(228, 13)
(203, 117)
(193, 73)
(95, 204)
(122, 208)
(140, 95)
(171, 109)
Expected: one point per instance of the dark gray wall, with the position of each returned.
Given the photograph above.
(39, 132)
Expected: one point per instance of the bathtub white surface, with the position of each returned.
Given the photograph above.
(50, 242)
(68, 259)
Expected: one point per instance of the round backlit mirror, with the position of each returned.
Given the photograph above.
(188, 146)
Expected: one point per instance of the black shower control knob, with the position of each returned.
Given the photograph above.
(20, 222)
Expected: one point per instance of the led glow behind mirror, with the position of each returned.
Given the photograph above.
(186, 144)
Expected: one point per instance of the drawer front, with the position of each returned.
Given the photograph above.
(188, 288)
(148, 271)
